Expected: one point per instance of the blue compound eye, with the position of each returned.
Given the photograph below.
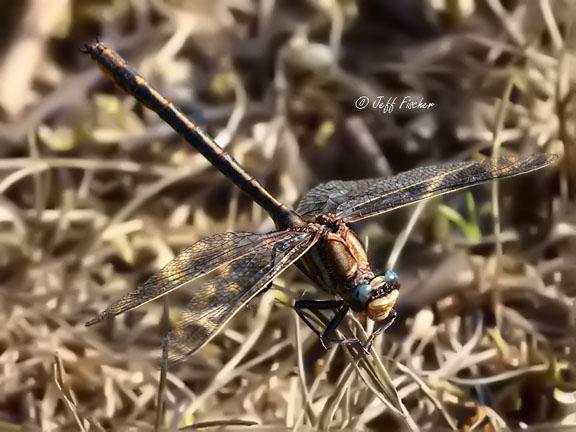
(361, 294)
(391, 278)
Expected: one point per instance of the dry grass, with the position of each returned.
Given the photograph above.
(96, 194)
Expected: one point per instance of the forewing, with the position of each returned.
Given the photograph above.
(326, 197)
(217, 300)
(352, 202)
(197, 260)
(426, 182)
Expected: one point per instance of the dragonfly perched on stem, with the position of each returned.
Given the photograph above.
(317, 236)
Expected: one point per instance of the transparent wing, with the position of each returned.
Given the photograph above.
(326, 197)
(225, 292)
(197, 260)
(353, 201)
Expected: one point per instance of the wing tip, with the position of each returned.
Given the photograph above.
(523, 164)
(100, 317)
(537, 161)
(551, 158)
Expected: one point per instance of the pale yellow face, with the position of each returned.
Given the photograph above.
(379, 308)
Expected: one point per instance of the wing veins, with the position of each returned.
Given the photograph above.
(133, 299)
(398, 191)
(485, 170)
(209, 322)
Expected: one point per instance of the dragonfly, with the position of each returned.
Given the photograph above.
(317, 236)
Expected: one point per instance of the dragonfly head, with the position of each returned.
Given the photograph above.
(378, 297)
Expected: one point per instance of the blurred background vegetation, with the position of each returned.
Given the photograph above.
(96, 194)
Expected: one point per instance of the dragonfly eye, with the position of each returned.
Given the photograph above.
(392, 279)
(360, 295)
(385, 291)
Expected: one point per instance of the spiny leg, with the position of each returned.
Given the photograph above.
(380, 328)
(299, 305)
(307, 321)
(328, 334)
(318, 304)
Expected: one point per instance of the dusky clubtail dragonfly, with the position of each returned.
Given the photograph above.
(316, 236)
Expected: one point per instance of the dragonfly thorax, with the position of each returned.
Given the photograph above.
(338, 264)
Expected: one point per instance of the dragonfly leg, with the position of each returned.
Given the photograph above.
(328, 334)
(330, 329)
(318, 304)
(380, 328)
(315, 305)
(308, 322)
(387, 322)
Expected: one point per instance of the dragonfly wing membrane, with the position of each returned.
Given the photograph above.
(426, 182)
(351, 201)
(191, 263)
(326, 197)
(229, 288)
